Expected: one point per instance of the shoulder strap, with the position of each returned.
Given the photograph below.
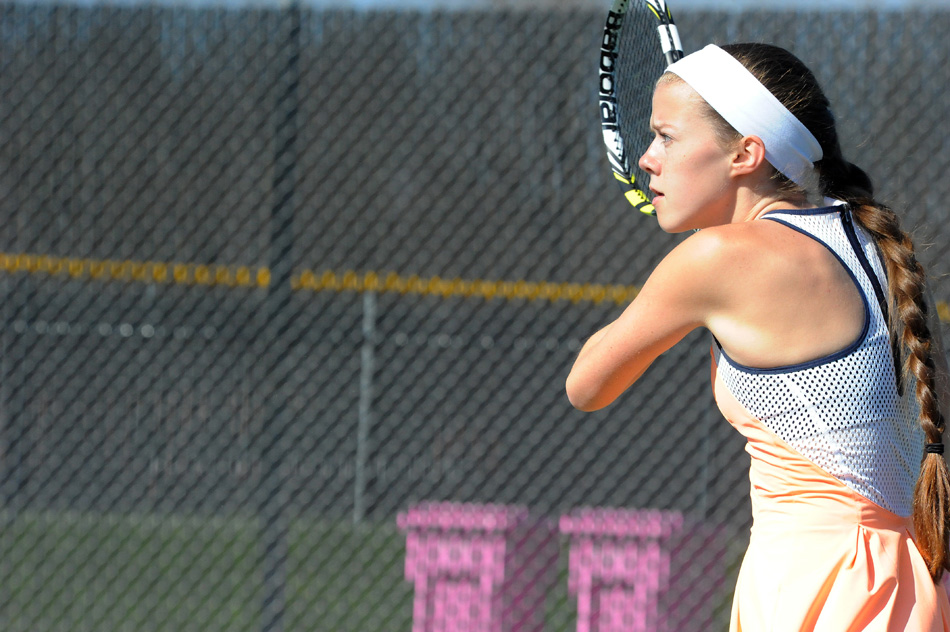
(875, 281)
(849, 229)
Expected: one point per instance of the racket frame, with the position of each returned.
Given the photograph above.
(610, 116)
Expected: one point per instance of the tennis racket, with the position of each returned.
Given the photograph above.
(632, 58)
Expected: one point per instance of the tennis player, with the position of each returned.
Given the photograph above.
(826, 356)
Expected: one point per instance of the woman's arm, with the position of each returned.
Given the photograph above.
(680, 295)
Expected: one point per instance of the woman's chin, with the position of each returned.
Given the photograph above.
(669, 224)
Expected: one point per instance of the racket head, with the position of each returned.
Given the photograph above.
(640, 40)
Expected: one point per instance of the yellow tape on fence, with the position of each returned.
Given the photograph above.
(136, 271)
(307, 280)
(351, 280)
(209, 275)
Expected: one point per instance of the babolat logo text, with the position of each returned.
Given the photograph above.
(608, 60)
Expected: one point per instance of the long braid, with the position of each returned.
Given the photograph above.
(907, 282)
(913, 340)
(796, 87)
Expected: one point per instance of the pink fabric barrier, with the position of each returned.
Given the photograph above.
(478, 568)
(619, 567)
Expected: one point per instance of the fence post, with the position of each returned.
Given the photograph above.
(365, 421)
(273, 513)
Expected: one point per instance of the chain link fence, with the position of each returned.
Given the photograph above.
(272, 277)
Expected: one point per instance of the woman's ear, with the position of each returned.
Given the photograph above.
(749, 155)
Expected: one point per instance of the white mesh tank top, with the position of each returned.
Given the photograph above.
(843, 412)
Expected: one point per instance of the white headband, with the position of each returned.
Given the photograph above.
(752, 110)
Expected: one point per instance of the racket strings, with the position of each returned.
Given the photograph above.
(639, 64)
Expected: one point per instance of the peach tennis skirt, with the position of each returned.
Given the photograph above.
(822, 557)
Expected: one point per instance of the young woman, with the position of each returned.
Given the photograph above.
(825, 354)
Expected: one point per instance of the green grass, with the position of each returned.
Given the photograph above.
(111, 573)
(79, 572)
(347, 578)
(63, 571)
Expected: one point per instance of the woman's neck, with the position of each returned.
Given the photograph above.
(758, 206)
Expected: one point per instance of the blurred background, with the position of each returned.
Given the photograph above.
(273, 274)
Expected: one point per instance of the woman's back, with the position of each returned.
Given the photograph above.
(844, 410)
(790, 299)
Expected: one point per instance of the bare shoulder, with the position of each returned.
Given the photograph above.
(737, 246)
(777, 296)
(712, 252)
(703, 274)
(722, 278)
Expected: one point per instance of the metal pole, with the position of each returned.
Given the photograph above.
(367, 368)
(275, 496)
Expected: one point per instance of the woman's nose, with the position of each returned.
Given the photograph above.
(648, 162)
